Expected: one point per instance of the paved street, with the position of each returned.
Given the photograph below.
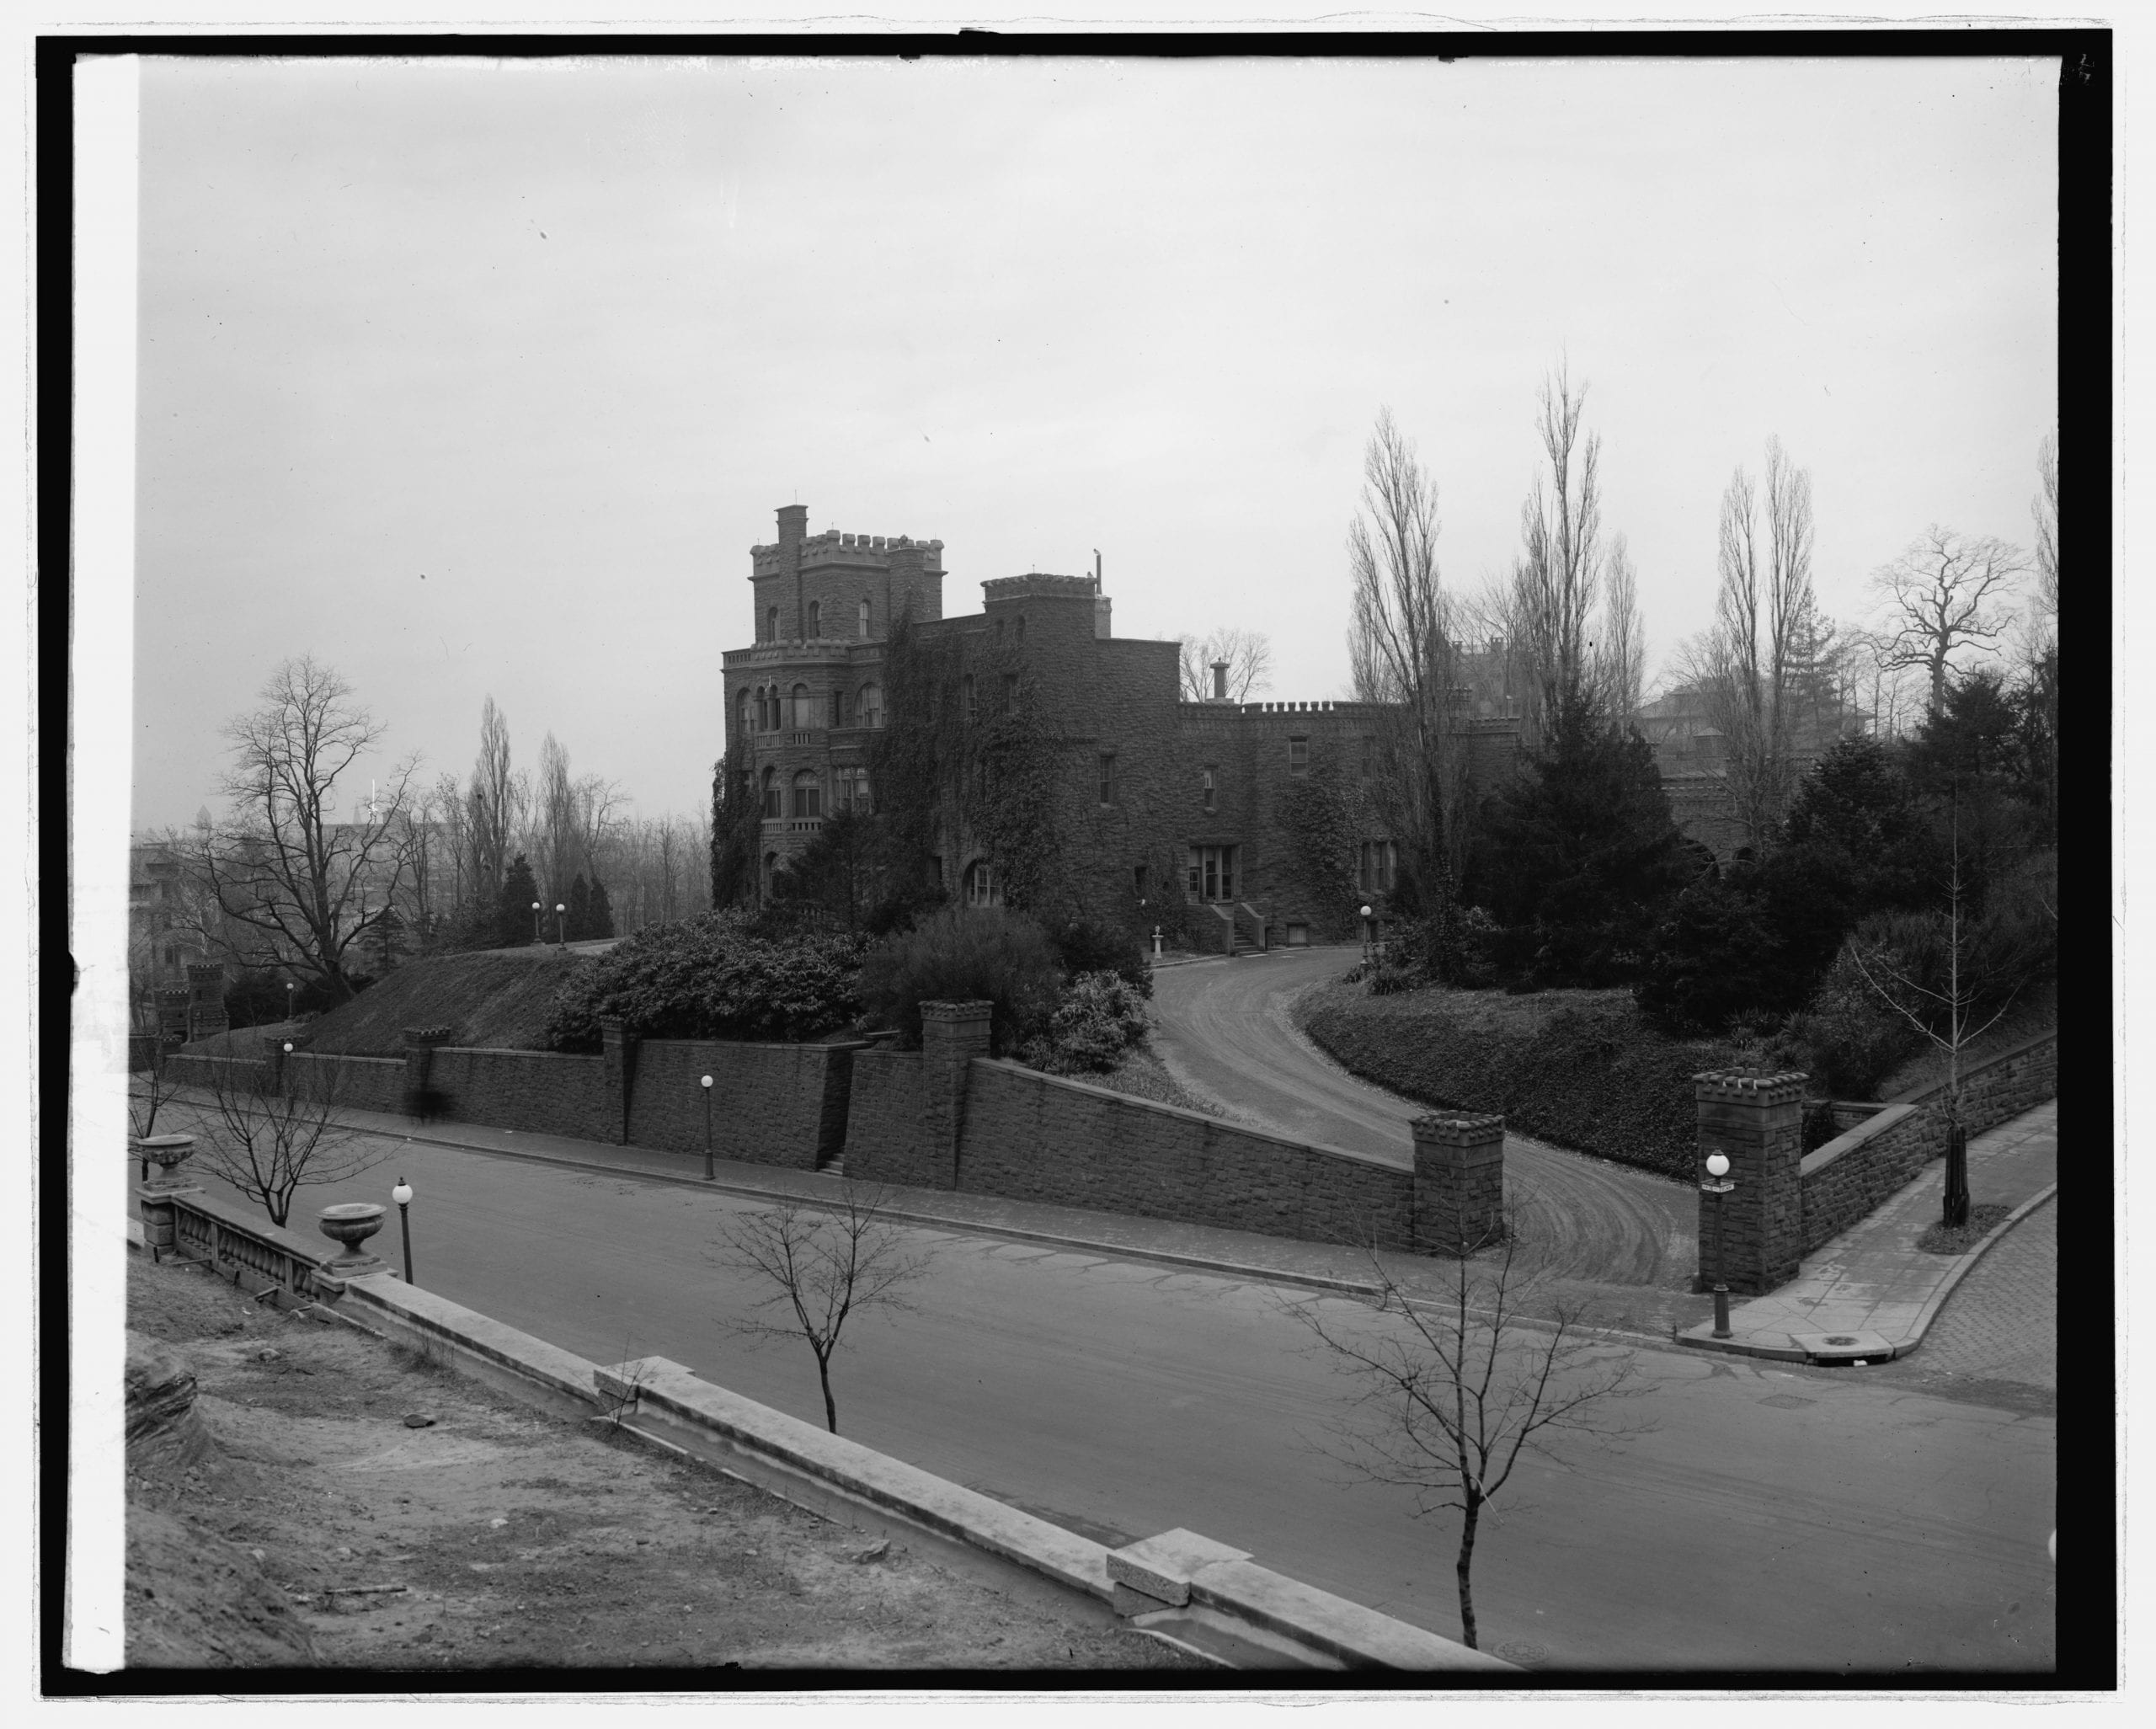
(1225, 1031)
(1773, 1519)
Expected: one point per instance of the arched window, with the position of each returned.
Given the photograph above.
(863, 630)
(982, 887)
(872, 706)
(815, 618)
(808, 794)
(772, 794)
(770, 625)
(802, 716)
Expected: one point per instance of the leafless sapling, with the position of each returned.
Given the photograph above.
(269, 1140)
(1450, 1390)
(823, 1266)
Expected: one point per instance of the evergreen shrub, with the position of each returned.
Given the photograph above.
(965, 954)
(1100, 1017)
(712, 977)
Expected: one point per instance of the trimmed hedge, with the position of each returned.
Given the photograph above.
(1578, 1068)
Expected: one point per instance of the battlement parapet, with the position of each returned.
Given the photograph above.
(1038, 585)
(837, 546)
(1784, 1089)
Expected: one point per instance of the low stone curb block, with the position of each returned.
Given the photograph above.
(1161, 1567)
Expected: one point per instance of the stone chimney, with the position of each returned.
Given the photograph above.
(1219, 681)
(792, 525)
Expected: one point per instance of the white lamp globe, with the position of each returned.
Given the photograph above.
(1717, 1166)
(1366, 912)
(288, 1047)
(706, 1081)
(402, 1194)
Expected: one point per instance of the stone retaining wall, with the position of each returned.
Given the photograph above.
(1854, 1173)
(771, 1104)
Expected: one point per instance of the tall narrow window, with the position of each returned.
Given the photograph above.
(808, 794)
(1207, 786)
(862, 629)
(1108, 777)
(773, 794)
(872, 706)
(1299, 756)
(803, 715)
(815, 618)
(1010, 691)
(838, 709)
(1138, 882)
(770, 625)
(741, 710)
(982, 889)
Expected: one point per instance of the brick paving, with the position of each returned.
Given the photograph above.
(2001, 1325)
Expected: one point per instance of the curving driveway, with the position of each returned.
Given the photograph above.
(1225, 1031)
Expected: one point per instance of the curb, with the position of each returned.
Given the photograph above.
(1962, 1267)
(1925, 1315)
(937, 1221)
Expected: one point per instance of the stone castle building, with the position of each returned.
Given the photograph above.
(1189, 816)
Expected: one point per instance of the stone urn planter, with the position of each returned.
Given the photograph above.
(165, 1151)
(351, 1223)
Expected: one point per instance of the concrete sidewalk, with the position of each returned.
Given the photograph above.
(1870, 1294)
(1343, 1267)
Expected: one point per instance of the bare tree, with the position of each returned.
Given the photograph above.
(1450, 1391)
(1751, 664)
(2044, 509)
(269, 1142)
(1619, 656)
(1249, 656)
(288, 875)
(494, 804)
(1923, 1007)
(1556, 579)
(554, 821)
(1401, 649)
(1945, 594)
(824, 1267)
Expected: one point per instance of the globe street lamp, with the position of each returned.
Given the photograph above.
(402, 1194)
(535, 921)
(561, 930)
(708, 1172)
(290, 986)
(1366, 936)
(1717, 1170)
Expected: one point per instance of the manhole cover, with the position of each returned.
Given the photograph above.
(1841, 1338)
(1523, 1652)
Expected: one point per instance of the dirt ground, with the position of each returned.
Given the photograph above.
(518, 1539)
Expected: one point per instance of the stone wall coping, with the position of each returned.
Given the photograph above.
(683, 1407)
(1161, 1567)
(942, 1506)
(1721, 1083)
(338, 1056)
(1376, 1160)
(1479, 1124)
(1359, 1637)
(1819, 1158)
(1924, 1095)
(957, 1010)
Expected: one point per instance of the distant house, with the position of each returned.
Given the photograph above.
(1691, 753)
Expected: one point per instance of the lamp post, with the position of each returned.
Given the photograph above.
(535, 921)
(1366, 936)
(561, 929)
(708, 1172)
(290, 986)
(1715, 1185)
(402, 1194)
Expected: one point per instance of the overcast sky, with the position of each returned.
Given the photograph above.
(482, 379)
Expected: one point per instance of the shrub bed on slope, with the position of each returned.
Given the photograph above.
(1577, 1069)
